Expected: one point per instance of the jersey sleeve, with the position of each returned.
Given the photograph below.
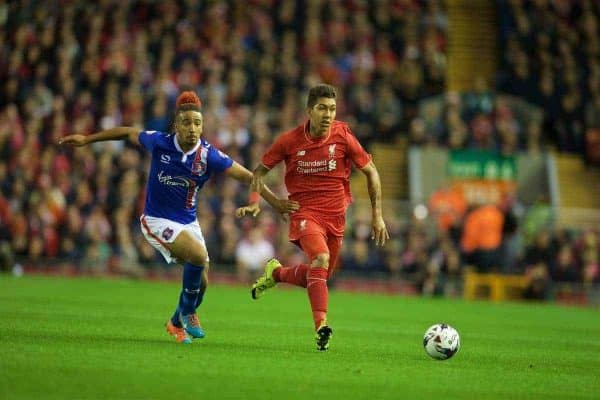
(356, 152)
(217, 160)
(148, 139)
(275, 154)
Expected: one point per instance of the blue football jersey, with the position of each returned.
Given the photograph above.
(176, 176)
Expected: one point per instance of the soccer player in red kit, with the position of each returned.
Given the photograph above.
(318, 156)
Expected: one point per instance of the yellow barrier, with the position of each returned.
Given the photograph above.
(495, 287)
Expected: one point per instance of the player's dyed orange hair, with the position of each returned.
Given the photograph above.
(187, 101)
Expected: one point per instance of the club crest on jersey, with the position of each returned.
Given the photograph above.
(331, 150)
(198, 168)
(302, 224)
(199, 164)
(167, 233)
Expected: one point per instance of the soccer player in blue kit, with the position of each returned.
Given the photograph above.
(181, 163)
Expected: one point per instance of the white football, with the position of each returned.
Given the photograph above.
(441, 341)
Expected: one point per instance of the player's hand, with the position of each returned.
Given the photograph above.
(286, 206)
(74, 140)
(379, 232)
(252, 209)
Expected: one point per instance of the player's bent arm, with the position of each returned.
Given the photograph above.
(258, 186)
(257, 182)
(241, 174)
(379, 233)
(374, 187)
(118, 133)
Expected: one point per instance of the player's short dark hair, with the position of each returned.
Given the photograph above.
(322, 90)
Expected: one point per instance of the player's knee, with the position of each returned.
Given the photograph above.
(199, 257)
(321, 261)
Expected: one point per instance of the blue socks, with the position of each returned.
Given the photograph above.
(201, 294)
(192, 292)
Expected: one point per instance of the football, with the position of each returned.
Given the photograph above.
(441, 341)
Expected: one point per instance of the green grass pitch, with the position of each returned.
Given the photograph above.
(104, 339)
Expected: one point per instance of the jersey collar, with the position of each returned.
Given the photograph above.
(189, 153)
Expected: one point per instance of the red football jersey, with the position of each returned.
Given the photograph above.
(317, 171)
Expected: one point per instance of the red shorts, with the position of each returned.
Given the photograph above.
(318, 234)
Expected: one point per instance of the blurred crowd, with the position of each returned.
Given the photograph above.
(479, 119)
(434, 252)
(551, 57)
(547, 92)
(78, 67)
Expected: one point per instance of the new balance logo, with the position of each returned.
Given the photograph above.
(301, 153)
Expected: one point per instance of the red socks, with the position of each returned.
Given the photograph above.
(292, 275)
(318, 294)
(314, 280)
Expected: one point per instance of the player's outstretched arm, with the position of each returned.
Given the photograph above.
(118, 133)
(379, 232)
(243, 175)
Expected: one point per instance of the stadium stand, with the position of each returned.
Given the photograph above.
(74, 66)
